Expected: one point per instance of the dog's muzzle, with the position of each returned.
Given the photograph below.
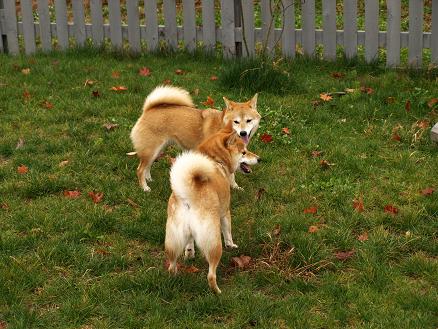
(245, 168)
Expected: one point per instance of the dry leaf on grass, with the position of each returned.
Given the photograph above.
(363, 236)
(110, 126)
(427, 191)
(241, 262)
(311, 210)
(22, 169)
(144, 71)
(209, 102)
(266, 138)
(313, 229)
(72, 194)
(344, 255)
(390, 209)
(96, 196)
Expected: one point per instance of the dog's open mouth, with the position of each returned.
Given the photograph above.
(245, 168)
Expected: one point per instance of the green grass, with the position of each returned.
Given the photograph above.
(70, 263)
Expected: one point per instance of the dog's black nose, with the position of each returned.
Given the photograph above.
(243, 133)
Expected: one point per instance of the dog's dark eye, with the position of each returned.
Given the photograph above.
(236, 122)
(244, 152)
(249, 120)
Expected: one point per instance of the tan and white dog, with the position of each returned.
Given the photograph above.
(199, 206)
(170, 117)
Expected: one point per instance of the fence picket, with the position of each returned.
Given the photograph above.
(97, 22)
(28, 27)
(79, 21)
(350, 28)
(329, 27)
(415, 33)
(208, 24)
(189, 24)
(133, 25)
(308, 36)
(151, 24)
(371, 30)
(393, 33)
(248, 43)
(44, 18)
(115, 21)
(171, 32)
(268, 25)
(11, 27)
(288, 37)
(227, 31)
(61, 24)
(434, 39)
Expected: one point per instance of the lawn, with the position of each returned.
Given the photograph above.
(340, 220)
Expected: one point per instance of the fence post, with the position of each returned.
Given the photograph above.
(11, 27)
(238, 23)
(3, 41)
(434, 40)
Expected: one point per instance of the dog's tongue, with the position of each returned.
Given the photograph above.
(245, 139)
(245, 168)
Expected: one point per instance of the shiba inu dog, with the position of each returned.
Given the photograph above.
(199, 206)
(170, 117)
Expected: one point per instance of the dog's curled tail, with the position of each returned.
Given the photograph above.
(191, 171)
(168, 95)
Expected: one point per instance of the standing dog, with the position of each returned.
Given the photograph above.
(199, 206)
(169, 117)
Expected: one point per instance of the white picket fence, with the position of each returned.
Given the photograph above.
(237, 34)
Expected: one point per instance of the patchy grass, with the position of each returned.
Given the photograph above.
(70, 263)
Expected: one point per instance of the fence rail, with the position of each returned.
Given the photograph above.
(40, 23)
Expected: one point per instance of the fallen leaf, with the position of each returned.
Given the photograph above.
(4, 206)
(408, 106)
(119, 88)
(47, 105)
(95, 93)
(89, 82)
(259, 193)
(316, 102)
(25, 71)
(241, 261)
(313, 229)
(316, 154)
(63, 163)
(3, 325)
(367, 90)
(344, 255)
(266, 138)
(396, 137)
(115, 74)
(427, 191)
(311, 210)
(363, 236)
(390, 209)
(167, 82)
(285, 131)
(325, 97)
(180, 72)
(110, 126)
(108, 208)
(144, 71)
(72, 194)
(190, 269)
(324, 164)
(423, 124)
(96, 196)
(132, 203)
(20, 143)
(213, 78)
(26, 95)
(431, 103)
(338, 75)
(102, 252)
(22, 169)
(209, 102)
(358, 204)
(277, 230)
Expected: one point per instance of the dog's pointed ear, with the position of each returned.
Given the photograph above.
(228, 105)
(253, 101)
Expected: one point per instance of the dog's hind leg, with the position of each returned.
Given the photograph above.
(226, 230)
(173, 248)
(147, 157)
(143, 166)
(213, 255)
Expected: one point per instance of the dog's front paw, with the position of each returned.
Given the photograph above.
(189, 253)
(231, 245)
(236, 187)
(146, 188)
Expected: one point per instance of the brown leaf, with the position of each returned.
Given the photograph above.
(431, 103)
(423, 124)
(26, 95)
(358, 204)
(408, 106)
(337, 75)
(325, 97)
(285, 131)
(102, 252)
(167, 82)
(180, 72)
(144, 71)
(209, 102)
(22, 169)
(311, 210)
(96, 196)
(427, 191)
(344, 255)
(396, 137)
(3, 324)
(63, 163)
(190, 269)
(4, 206)
(20, 143)
(241, 261)
(316, 102)
(110, 126)
(313, 229)
(213, 78)
(132, 203)
(95, 93)
(316, 154)
(390, 209)
(119, 88)
(47, 105)
(325, 164)
(25, 71)
(115, 74)
(266, 138)
(367, 90)
(72, 194)
(363, 236)
(277, 230)
(259, 193)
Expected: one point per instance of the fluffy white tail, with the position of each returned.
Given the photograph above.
(168, 95)
(190, 171)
